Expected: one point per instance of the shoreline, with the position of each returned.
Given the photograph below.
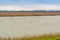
(29, 13)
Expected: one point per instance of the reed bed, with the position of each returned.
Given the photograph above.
(29, 13)
(42, 37)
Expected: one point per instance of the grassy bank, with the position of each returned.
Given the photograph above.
(44, 37)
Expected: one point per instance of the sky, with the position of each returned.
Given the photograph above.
(29, 5)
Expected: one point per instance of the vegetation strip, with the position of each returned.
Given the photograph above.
(29, 13)
(44, 37)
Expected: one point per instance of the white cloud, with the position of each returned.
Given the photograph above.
(30, 7)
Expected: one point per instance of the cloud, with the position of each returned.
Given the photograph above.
(30, 7)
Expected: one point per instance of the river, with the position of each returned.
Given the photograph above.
(29, 25)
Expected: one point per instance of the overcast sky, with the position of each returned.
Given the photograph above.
(29, 4)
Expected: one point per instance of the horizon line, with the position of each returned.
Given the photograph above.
(29, 10)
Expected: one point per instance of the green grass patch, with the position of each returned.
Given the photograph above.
(55, 37)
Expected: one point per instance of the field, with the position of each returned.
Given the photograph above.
(29, 13)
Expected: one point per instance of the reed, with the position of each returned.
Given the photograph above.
(29, 13)
(42, 37)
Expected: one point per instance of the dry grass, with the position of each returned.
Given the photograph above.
(29, 13)
(43, 37)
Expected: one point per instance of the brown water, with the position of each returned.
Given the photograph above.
(29, 25)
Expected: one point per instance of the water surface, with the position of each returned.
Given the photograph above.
(29, 25)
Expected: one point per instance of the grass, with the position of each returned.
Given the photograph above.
(45, 37)
(29, 13)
